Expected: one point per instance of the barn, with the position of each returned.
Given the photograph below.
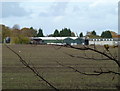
(76, 40)
(79, 40)
(36, 40)
(104, 41)
(69, 41)
(61, 40)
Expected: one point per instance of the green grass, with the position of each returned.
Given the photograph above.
(44, 57)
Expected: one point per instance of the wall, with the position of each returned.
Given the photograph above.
(101, 42)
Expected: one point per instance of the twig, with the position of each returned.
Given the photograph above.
(95, 50)
(97, 73)
(32, 69)
(92, 58)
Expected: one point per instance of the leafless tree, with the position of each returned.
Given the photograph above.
(33, 69)
(108, 56)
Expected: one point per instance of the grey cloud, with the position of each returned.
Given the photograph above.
(56, 9)
(59, 8)
(12, 9)
(100, 11)
(45, 14)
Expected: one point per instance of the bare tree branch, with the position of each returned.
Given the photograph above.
(97, 73)
(91, 58)
(32, 69)
(94, 50)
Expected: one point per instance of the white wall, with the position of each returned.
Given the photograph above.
(103, 42)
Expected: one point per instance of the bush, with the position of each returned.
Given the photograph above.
(20, 40)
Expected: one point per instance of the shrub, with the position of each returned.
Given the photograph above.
(20, 40)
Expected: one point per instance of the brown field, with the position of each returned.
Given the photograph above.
(44, 57)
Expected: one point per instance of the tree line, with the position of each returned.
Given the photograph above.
(21, 35)
(68, 33)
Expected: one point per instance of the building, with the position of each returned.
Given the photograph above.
(104, 41)
(60, 40)
(71, 40)
(78, 40)
(36, 40)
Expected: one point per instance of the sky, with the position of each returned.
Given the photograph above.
(79, 16)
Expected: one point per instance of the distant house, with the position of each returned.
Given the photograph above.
(104, 41)
(75, 40)
(79, 40)
(69, 41)
(59, 40)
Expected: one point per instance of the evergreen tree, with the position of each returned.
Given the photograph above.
(65, 32)
(69, 32)
(40, 33)
(31, 28)
(61, 33)
(93, 32)
(81, 34)
(106, 34)
(103, 34)
(56, 33)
